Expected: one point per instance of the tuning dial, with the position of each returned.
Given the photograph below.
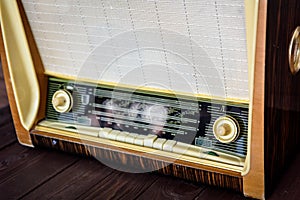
(226, 129)
(62, 101)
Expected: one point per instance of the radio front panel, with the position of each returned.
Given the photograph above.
(213, 125)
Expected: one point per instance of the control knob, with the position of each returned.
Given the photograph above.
(226, 129)
(62, 101)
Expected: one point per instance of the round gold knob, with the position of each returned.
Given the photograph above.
(62, 101)
(226, 129)
(294, 52)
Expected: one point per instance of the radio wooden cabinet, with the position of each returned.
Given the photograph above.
(207, 91)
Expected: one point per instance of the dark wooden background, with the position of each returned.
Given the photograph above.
(27, 173)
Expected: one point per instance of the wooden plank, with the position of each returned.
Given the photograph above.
(5, 115)
(3, 95)
(219, 194)
(27, 169)
(7, 131)
(7, 135)
(172, 188)
(120, 185)
(15, 157)
(72, 182)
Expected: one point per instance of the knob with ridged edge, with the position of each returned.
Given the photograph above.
(62, 101)
(226, 129)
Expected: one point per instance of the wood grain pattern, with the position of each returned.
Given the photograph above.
(3, 96)
(13, 158)
(7, 131)
(167, 188)
(77, 139)
(7, 138)
(282, 104)
(130, 162)
(37, 167)
(72, 182)
(288, 187)
(278, 97)
(219, 194)
(115, 186)
(254, 180)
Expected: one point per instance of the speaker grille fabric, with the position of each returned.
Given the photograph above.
(194, 46)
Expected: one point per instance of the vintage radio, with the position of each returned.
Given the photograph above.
(203, 90)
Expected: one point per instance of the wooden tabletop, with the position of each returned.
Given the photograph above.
(31, 173)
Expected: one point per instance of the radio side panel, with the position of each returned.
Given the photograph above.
(282, 91)
(28, 108)
(37, 62)
(254, 180)
(22, 134)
